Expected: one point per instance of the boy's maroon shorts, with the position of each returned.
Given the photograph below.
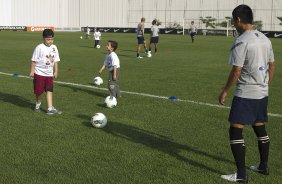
(42, 83)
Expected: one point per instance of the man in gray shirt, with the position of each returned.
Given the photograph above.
(252, 59)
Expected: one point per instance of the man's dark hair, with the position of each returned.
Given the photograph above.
(114, 44)
(48, 33)
(154, 22)
(244, 12)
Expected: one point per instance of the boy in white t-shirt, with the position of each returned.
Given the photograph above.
(44, 67)
(113, 65)
(97, 37)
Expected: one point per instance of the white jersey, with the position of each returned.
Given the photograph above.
(45, 57)
(193, 28)
(97, 35)
(252, 51)
(111, 61)
(155, 30)
(88, 31)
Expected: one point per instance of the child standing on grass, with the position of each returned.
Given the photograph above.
(44, 68)
(97, 37)
(113, 65)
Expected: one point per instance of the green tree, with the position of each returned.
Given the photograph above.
(280, 18)
(257, 24)
(224, 23)
(208, 21)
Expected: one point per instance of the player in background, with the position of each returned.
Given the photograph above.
(154, 36)
(97, 37)
(140, 38)
(252, 61)
(193, 31)
(44, 67)
(87, 35)
(113, 64)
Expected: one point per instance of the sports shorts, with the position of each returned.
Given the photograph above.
(42, 83)
(154, 39)
(140, 40)
(248, 111)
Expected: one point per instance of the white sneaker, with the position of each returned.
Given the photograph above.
(234, 178)
(139, 57)
(257, 169)
(53, 111)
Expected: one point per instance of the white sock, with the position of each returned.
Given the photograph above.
(37, 105)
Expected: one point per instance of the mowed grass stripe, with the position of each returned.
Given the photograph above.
(137, 93)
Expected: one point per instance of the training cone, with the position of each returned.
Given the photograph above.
(172, 98)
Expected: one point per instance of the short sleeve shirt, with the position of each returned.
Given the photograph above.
(252, 51)
(97, 35)
(111, 61)
(45, 57)
(155, 31)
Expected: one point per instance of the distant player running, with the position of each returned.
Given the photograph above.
(140, 37)
(193, 31)
(154, 36)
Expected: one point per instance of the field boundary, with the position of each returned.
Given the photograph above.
(136, 93)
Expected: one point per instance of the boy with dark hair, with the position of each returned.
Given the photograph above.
(193, 31)
(44, 67)
(113, 64)
(97, 37)
(154, 36)
(252, 59)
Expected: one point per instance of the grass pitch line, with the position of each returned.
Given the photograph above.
(136, 93)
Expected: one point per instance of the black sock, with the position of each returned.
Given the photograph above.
(156, 50)
(263, 145)
(237, 144)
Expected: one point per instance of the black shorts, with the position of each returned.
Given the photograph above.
(154, 39)
(192, 34)
(140, 40)
(248, 111)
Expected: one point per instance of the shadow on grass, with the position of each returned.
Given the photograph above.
(158, 142)
(16, 100)
(89, 91)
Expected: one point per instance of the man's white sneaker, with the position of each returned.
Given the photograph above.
(234, 178)
(139, 57)
(259, 170)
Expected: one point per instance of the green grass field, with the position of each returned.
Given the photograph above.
(147, 139)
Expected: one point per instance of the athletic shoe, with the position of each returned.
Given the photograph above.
(235, 178)
(54, 111)
(37, 108)
(139, 57)
(264, 171)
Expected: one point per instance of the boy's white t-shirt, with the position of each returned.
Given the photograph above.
(45, 57)
(97, 35)
(111, 61)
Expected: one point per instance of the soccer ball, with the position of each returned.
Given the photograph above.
(149, 54)
(98, 81)
(81, 37)
(98, 46)
(99, 120)
(111, 101)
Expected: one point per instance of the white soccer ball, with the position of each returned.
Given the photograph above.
(99, 120)
(81, 37)
(98, 46)
(149, 55)
(98, 81)
(111, 101)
